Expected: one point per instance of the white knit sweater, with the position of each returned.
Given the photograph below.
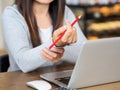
(22, 55)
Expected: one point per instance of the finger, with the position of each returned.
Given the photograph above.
(50, 53)
(58, 57)
(46, 56)
(49, 58)
(71, 38)
(58, 50)
(74, 35)
(75, 39)
(68, 32)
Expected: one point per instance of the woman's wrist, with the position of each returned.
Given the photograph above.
(59, 43)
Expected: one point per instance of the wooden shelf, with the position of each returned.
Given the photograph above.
(92, 15)
(90, 6)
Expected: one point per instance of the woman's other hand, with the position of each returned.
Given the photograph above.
(69, 37)
(53, 55)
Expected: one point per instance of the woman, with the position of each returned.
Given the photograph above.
(31, 26)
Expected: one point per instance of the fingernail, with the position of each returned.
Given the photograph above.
(65, 27)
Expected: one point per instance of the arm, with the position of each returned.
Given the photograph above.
(18, 42)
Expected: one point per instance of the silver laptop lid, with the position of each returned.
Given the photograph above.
(98, 63)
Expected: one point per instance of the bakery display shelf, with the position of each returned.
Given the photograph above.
(106, 15)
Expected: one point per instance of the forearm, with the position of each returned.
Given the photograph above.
(30, 59)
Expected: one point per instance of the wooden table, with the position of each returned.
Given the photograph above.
(3, 52)
(17, 80)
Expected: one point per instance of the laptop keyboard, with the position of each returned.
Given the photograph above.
(64, 80)
(62, 88)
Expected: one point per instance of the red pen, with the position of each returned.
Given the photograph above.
(61, 35)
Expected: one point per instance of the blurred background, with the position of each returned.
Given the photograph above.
(101, 18)
(3, 4)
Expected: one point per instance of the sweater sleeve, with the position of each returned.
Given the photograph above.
(18, 42)
(71, 17)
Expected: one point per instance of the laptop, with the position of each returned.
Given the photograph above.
(98, 63)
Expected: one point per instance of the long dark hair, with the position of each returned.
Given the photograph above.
(56, 10)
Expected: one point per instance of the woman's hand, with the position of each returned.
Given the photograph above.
(53, 55)
(69, 37)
